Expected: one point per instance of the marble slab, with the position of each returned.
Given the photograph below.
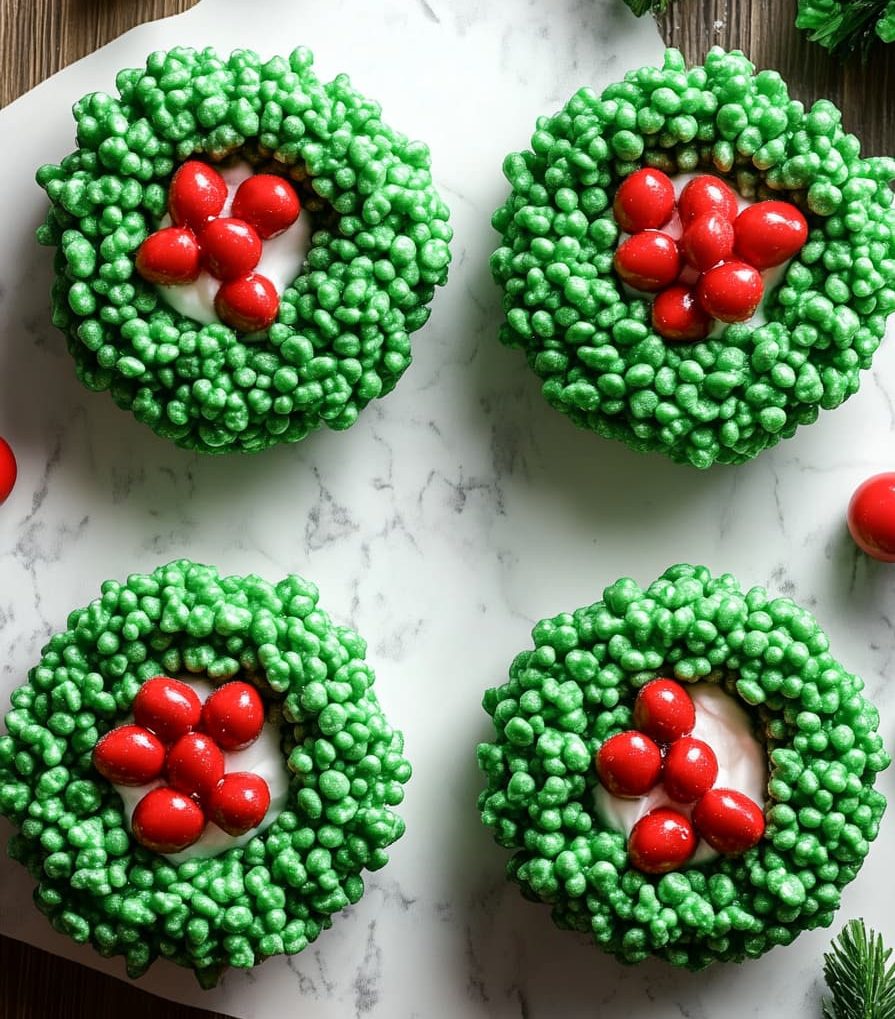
(453, 516)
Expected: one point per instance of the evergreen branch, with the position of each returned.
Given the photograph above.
(861, 984)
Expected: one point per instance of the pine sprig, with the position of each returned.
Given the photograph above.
(861, 984)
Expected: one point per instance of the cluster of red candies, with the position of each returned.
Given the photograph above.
(714, 270)
(228, 247)
(180, 740)
(632, 763)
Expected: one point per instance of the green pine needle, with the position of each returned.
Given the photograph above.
(861, 985)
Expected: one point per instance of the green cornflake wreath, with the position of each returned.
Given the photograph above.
(342, 336)
(577, 687)
(729, 397)
(278, 892)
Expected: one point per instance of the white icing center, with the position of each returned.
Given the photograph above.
(726, 727)
(281, 257)
(264, 758)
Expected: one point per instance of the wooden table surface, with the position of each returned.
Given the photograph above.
(45, 35)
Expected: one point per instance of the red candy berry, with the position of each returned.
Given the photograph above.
(662, 840)
(678, 315)
(707, 241)
(230, 248)
(729, 821)
(167, 707)
(8, 470)
(731, 291)
(871, 517)
(664, 710)
(648, 261)
(166, 821)
(233, 715)
(197, 194)
(247, 304)
(268, 202)
(169, 256)
(129, 755)
(644, 201)
(629, 764)
(239, 802)
(691, 769)
(703, 195)
(195, 765)
(768, 233)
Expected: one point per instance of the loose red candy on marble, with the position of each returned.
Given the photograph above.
(233, 715)
(197, 194)
(129, 755)
(664, 711)
(9, 470)
(768, 233)
(166, 821)
(269, 203)
(707, 241)
(169, 257)
(629, 764)
(691, 769)
(703, 195)
(729, 821)
(195, 764)
(167, 707)
(661, 841)
(678, 315)
(648, 261)
(731, 291)
(239, 802)
(248, 304)
(871, 517)
(230, 248)
(644, 200)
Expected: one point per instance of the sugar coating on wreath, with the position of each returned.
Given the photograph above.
(775, 873)
(104, 713)
(297, 353)
(592, 341)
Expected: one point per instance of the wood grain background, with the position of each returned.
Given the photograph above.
(38, 37)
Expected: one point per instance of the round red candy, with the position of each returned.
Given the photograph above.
(768, 233)
(644, 201)
(167, 707)
(248, 304)
(8, 470)
(729, 821)
(871, 517)
(731, 291)
(661, 841)
(678, 315)
(166, 821)
(129, 755)
(239, 802)
(197, 194)
(648, 261)
(195, 765)
(706, 194)
(230, 248)
(664, 711)
(233, 715)
(691, 769)
(269, 203)
(629, 764)
(707, 241)
(169, 257)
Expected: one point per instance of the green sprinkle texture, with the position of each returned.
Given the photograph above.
(592, 345)
(576, 688)
(342, 337)
(274, 895)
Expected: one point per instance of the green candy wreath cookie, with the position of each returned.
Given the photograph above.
(593, 342)
(761, 677)
(312, 349)
(142, 813)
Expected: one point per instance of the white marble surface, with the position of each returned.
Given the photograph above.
(456, 513)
